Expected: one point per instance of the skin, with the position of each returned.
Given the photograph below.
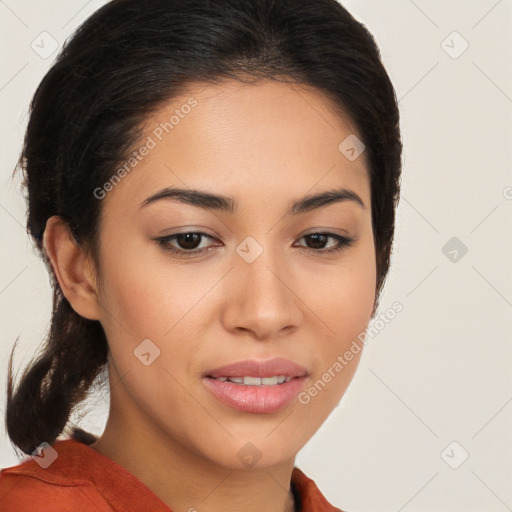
(265, 145)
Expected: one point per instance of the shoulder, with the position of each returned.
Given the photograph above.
(29, 486)
(27, 493)
(70, 475)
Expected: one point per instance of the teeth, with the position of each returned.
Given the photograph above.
(252, 381)
(257, 381)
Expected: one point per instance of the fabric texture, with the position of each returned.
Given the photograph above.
(81, 479)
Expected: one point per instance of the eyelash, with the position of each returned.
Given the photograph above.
(164, 243)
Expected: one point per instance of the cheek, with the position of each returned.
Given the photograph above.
(343, 294)
(341, 299)
(145, 312)
(148, 298)
(143, 294)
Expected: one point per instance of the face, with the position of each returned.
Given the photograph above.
(255, 278)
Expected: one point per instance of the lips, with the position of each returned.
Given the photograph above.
(263, 369)
(255, 399)
(253, 386)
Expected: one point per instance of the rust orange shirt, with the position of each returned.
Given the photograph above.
(81, 479)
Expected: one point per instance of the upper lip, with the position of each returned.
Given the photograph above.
(254, 368)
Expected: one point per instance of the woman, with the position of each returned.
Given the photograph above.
(212, 185)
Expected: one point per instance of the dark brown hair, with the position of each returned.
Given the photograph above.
(87, 115)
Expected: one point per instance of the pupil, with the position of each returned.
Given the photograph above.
(188, 240)
(316, 238)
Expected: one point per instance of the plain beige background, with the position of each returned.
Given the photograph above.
(435, 384)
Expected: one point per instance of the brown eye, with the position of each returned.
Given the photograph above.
(188, 240)
(186, 243)
(318, 241)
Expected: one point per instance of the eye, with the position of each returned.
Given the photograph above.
(319, 240)
(189, 243)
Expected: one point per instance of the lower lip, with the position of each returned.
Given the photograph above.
(256, 399)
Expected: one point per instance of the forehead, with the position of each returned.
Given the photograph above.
(237, 138)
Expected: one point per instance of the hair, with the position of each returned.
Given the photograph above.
(87, 114)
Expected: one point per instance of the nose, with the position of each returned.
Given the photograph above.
(262, 298)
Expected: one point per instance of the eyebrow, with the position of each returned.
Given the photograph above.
(210, 201)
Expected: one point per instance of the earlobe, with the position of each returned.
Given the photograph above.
(72, 268)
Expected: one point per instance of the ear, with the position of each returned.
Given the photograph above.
(72, 267)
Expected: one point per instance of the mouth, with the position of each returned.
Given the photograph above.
(256, 386)
(256, 381)
(277, 367)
